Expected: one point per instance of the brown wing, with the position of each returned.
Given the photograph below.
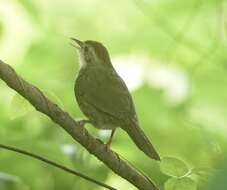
(107, 92)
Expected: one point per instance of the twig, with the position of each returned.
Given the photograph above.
(24, 152)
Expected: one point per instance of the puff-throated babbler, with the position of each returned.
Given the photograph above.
(104, 97)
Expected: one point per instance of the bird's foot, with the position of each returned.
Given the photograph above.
(83, 122)
(108, 145)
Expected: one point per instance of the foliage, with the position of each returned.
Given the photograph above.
(175, 52)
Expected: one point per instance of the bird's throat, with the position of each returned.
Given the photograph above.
(83, 62)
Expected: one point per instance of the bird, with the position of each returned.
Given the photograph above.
(104, 98)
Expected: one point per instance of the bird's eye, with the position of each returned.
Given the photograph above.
(86, 49)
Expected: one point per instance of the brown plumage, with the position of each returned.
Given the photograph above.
(104, 98)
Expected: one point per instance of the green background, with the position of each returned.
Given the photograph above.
(171, 53)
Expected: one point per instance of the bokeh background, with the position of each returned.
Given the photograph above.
(172, 55)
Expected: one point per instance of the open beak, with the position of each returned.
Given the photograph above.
(78, 45)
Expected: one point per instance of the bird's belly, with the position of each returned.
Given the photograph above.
(105, 126)
(98, 118)
(91, 104)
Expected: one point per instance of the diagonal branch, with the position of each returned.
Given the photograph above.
(80, 134)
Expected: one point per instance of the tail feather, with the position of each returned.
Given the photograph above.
(141, 141)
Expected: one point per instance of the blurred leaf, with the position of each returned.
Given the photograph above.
(189, 32)
(180, 184)
(1, 29)
(10, 182)
(218, 180)
(19, 106)
(30, 7)
(203, 172)
(7, 177)
(173, 167)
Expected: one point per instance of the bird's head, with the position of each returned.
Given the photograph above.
(92, 52)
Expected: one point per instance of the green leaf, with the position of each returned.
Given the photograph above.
(8, 177)
(203, 173)
(1, 29)
(31, 8)
(180, 184)
(10, 182)
(173, 167)
(19, 106)
(202, 170)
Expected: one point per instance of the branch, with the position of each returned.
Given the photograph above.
(37, 157)
(79, 133)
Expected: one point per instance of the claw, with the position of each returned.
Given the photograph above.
(83, 122)
(108, 145)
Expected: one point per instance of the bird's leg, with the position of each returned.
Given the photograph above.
(108, 144)
(82, 122)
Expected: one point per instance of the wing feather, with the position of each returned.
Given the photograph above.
(107, 92)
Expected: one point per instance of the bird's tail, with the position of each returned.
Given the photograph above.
(141, 140)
